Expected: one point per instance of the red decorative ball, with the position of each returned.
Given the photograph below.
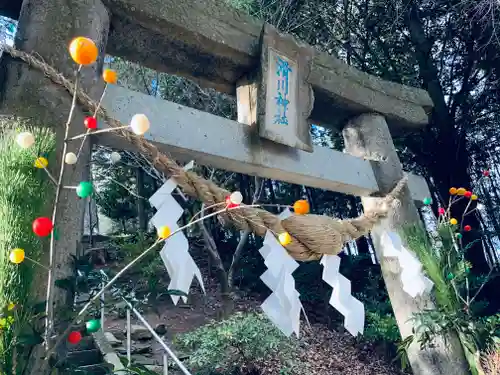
(486, 173)
(42, 226)
(90, 122)
(468, 194)
(441, 211)
(74, 337)
(230, 204)
(467, 228)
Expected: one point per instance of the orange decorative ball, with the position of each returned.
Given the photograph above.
(83, 50)
(110, 76)
(453, 191)
(301, 207)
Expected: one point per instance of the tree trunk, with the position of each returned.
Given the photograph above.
(225, 288)
(445, 171)
(45, 28)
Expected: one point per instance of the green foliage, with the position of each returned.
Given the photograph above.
(455, 299)
(133, 368)
(241, 343)
(24, 191)
(435, 264)
(381, 328)
(151, 266)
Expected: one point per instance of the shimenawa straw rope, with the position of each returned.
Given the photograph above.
(312, 235)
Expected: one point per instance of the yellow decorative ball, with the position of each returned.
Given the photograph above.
(41, 162)
(83, 50)
(461, 191)
(285, 238)
(17, 256)
(11, 306)
(473, 197)
(110, 76)
(301, 207)
(453, 221)
(164, 232)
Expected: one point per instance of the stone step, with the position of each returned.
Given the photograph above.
(98, 369)
(85, 357)
(87, 343)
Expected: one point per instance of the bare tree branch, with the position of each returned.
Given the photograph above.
(244, 234)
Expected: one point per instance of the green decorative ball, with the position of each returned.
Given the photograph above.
(93, 325)
(427, 201)
(84, 189)
(458, 235)
(450, 276)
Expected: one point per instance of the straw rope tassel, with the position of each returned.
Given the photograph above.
(312, 235)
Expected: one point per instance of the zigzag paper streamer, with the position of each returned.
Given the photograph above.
(175, 253)
(415, 283)
(283, 306)
(341, 299)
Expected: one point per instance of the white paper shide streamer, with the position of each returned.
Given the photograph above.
(175, 253)
(341, 299)
(415, 283)
(283, 306)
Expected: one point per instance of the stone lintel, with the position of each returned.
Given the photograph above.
(188, 134)
(207, 41)
(217, 46)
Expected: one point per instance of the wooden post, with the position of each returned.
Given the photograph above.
(368, 136)
(46, 28)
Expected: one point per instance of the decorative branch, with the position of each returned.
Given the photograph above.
(49, 308)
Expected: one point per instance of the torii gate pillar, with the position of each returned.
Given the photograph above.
(368, 136)
(45, 28)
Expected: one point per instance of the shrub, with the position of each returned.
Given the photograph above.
(24, 193)
(240, 344)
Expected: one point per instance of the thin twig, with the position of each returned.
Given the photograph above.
(97, 132)
(94, 115)
(52, 178)
(120, 273)
(49, 311)
(482, 286)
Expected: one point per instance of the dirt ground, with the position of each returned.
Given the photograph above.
(322, 351)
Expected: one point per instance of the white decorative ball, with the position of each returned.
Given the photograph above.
(70, 158)
(139, 124)
(236, 197)
(25, 139)
(115, 157)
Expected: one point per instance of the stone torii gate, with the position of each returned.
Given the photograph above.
(281, 87)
